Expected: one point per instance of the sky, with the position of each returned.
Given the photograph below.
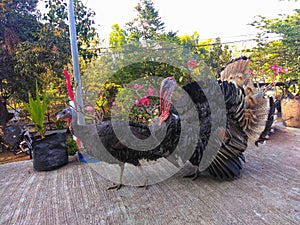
(226, 19)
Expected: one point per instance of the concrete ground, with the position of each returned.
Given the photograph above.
(267, 192)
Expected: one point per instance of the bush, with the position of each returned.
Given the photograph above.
(72, 147)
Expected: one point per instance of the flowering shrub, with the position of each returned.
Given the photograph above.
(137, 103)
(274, 74)
(277, 71)
(106, 99)
(192, 64)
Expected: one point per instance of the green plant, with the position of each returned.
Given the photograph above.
(59, 124)
(137, 103)
(72, 147)
(37, 108)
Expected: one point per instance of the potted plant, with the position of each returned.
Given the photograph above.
(49, 151)
(290, 101)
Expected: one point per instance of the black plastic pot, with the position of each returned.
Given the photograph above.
(50, 153)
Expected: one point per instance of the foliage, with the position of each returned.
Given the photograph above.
(35, 47)
(106, 99)
(218, 56)
(37, 109)
(59, 124)
(87, 37)
(18, 23)
(138, 103)
(147, 25)
(283, 51)
(72, 147)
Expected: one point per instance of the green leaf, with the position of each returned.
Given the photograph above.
(37, 108)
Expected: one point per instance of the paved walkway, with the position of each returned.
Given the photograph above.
(268, 192)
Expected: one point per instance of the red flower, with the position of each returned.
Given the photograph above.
(192, 63)
(144, 101)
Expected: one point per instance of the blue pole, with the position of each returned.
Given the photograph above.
(75, 60)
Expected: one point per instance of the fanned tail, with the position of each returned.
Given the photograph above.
(237, 70)
(257, 107)
(255, 115)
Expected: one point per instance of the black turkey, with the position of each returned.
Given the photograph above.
(102, 142)
(266, 132)
(246, 115)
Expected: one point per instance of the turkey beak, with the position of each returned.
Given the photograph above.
(58, 116)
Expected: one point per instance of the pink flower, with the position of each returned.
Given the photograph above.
(262, 71)
(251, 72)
(138, 86)
(114, 103)
(137, 102)
(150, 91)
(192, 63)
(286, 70)
(89, 108)
(273, 67)
(144, 101)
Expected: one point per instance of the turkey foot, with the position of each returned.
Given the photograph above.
(197, 174)
(117, 187)
(193, 176)
(145, 185)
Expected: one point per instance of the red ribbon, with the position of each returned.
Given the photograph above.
(69, 86)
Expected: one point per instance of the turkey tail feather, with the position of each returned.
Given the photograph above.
(256, 108)
(255, 115)
(237, 70)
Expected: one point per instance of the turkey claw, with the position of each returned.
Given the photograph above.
(193, 176)
(117, 187)
(144, 186)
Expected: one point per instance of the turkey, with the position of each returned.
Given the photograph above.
(266, 132)
(246, 114)
(102, 142)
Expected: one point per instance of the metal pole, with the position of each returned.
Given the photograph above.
(75, 60)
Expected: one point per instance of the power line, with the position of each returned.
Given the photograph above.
(198, 45)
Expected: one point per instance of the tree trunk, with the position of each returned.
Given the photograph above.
(3, 115)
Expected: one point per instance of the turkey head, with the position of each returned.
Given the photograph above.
(167, 88)
(65, 115)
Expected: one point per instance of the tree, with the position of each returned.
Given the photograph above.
(218, 56)
(37, 48)
(148, 24)
(18, 22)
(283, 51)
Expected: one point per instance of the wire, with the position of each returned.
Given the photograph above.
(196, 46)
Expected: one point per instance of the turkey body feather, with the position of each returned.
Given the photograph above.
(246, 116)
(102, 142)
(232, 140)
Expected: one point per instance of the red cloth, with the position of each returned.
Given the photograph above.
(69, 86)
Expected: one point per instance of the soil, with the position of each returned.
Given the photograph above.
(8, 157)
